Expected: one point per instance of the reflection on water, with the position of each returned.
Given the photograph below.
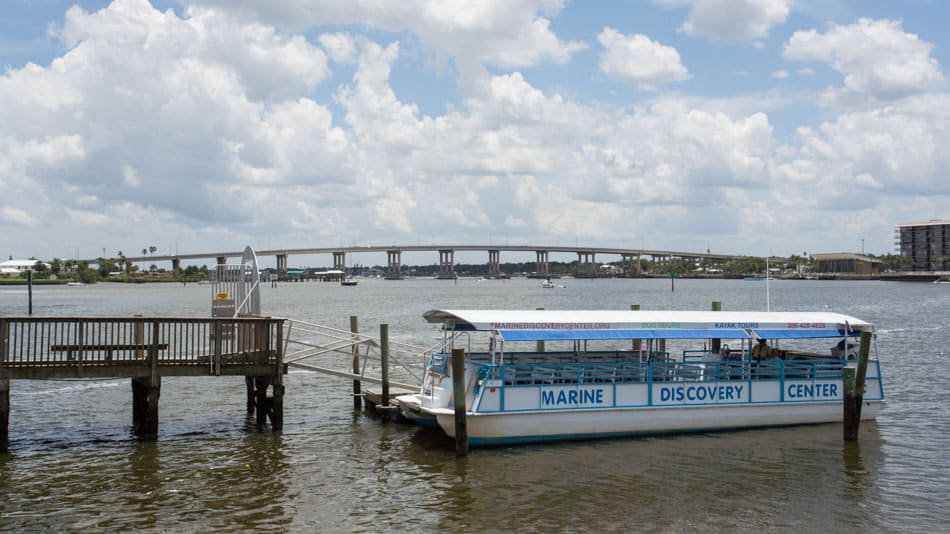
(75, 465)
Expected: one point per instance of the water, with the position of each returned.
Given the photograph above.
(75, 466)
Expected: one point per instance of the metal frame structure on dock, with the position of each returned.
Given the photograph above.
(351, 354)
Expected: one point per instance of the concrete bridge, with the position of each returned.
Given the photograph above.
(586, 257)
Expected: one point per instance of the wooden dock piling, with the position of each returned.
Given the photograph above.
(636, 344)
(4, 390)
(145, 394)
(384, 363)
(716, 343)
(357, 387)
(29, 290)
(853, 381)
(539, 345)
(458, 387)
(4, 415)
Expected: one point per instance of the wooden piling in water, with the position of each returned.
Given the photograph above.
(4, 390)
(4, 415)
(384, 363)
(29, 284)
(251, 395)
(539, 345)
(146, 391)
(458, 389)
(145, 394)
(716, 343)
(853, 381)
(636, 343)
(357, 388)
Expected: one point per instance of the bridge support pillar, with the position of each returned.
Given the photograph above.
(262, 407)
(222, 260)
(494, 264)
(447, 265)
(543, 269)
(176, 264)
(281, 266)
(145, 394)
(393, 265)
(585, 265)
(339, 260)
(627, 262)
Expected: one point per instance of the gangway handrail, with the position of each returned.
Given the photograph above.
(339, 340)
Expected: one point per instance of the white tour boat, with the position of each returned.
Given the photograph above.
(546, 375)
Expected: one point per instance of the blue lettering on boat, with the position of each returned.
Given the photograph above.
(573, 397)
(811, 391)
(700, 393)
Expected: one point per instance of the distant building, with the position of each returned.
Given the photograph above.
(847, 263)
(924, 246)
(14, 268)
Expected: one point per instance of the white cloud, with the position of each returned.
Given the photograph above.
(341, 47)
(895, 150)
(735, 20)
(498, 33)
(174, 109)
(780, 74)
(878, 59)
(638, 60)
(130, 176)
(16, 216)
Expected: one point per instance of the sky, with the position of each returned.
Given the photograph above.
(736, 126)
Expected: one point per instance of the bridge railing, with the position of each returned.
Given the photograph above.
(115, 341)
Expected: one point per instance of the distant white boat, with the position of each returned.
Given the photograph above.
(348, 281)
(548, 284)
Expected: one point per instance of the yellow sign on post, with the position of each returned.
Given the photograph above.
(221, 296)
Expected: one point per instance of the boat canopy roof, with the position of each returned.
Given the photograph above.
(539, 325)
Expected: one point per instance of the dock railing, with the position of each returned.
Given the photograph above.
(58, 347)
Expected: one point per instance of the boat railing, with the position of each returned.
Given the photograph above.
(521, 374)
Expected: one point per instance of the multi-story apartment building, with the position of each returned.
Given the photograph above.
(924, 246)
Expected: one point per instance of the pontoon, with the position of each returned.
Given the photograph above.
(546, 375)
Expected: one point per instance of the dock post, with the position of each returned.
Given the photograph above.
(146, 391)
(357, 389)
(276, 411)
(4, 390)
(145, 394)
(251, 395)
(458, 394)
(636, 344)
(539, 345)
(716, 343)
(29, 283)
(384, 363)
(260, 399)
(853, 383)
(4, 415)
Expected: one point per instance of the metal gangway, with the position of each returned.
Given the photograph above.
(354, 355)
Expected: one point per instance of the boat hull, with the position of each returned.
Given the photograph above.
(530, 427)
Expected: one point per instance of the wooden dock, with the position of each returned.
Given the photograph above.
(144, 349)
